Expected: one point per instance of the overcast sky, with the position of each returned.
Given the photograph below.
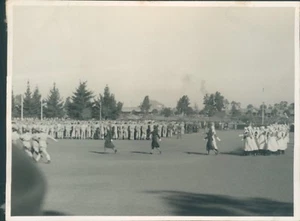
(162, 52)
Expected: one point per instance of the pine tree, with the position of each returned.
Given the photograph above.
(27, 102)
(13, 105)
(110, 108)
(81, 106)
(36, 103)
(145, 105)
(17, 105)
(67, 105)
(96, 108)
(54, 104)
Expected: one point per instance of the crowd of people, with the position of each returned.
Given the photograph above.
(272, 139)
(121, 130)
(34, 134)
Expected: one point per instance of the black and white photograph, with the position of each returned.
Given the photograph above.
(152, 110)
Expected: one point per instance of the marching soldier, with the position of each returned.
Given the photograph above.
(108, 140)
(40, 147)
(155, 139)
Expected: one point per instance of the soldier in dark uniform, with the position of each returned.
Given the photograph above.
(155, 140)
(148, 131)
(108, 140)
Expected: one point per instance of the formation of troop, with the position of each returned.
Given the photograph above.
(272, 139)
(34, 135)
(121, 130)
(34, 142)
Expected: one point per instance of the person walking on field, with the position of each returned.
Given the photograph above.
(108, 143)
(155, 139)
(210, 144)
(40, 145)
(26, 140)
(211, 137)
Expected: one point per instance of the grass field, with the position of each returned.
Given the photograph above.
(183, 181)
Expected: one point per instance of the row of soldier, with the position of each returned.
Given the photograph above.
(121, 130)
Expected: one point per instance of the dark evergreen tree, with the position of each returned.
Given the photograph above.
(14, 108)
(81, 105)
(36, 103)
(145, 105)
(67, 106)
(27, 102)
(17, 102)
(54, 104)
(110, 108)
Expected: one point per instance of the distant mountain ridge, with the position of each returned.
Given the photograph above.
(156, 105)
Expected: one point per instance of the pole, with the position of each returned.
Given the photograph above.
(263, 111)
(41, 109)
(100, 109)
(22, 107)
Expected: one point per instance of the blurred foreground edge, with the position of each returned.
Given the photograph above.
(28, 187)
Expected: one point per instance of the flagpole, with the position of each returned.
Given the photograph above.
(41, 109)
(22, 107)
(100, 109)
(263, 111)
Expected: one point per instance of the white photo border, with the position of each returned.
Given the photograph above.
(10, 4)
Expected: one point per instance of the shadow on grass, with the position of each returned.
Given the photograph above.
(140, 152)
(236, 152)
(196, 153)
(193, 204)
(99, 152)
(54, 213)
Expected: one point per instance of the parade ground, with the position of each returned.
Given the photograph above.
(83, 180)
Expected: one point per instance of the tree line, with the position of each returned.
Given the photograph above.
(82, 105)
(85, 105)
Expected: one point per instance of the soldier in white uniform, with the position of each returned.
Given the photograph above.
(26, 140)
(125, 131)
(15, 136)
(88, 130)
(102, 132)
(159, 128)
(83, 127)
(144, 131)
(262, 141)
(41, 138)
(137, 131)
(77, 130)
(131, 131)
(115, 131)
(68, 130)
